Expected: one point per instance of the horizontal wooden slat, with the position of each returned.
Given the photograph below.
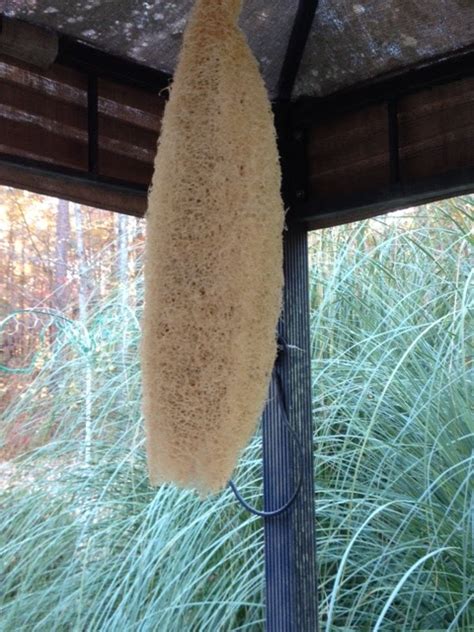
(135, 106)
(347, 129)
(349, 153)
(128, 150)
(27, 101)
(132, 97)
(436, 129)
(125, 140)
(41, 142)
(366, 176)
(438, 155)
(316, 216)
(43, 114)
(58, 82)
(43, 119)
(351, 160)
(129, 124)
(130, 115)
(31, 43)
(127, 133)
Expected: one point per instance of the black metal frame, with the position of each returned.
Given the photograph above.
(297, 43)
(290, 538)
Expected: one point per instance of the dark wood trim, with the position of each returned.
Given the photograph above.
(74, 185)
(393, 142)
(402, 196)
(28, 42)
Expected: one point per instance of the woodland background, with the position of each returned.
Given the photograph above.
(57, 259)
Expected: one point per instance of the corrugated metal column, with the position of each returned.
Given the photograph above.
(290, 566)
(290, 538)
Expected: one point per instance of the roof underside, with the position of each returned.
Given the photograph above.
(350, 42)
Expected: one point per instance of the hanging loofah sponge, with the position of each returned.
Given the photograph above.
(213, 271)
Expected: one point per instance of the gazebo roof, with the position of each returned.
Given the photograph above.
(351, 41)
(374, 99)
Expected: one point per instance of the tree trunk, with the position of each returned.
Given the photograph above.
(122, 271)
(63, 233)
(83, 295)
(11, 289)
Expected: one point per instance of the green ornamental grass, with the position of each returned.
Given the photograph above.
(87, 544)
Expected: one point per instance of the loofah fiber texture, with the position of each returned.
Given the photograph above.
(213, 261)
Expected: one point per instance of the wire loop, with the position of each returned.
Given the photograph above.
(276, 377)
